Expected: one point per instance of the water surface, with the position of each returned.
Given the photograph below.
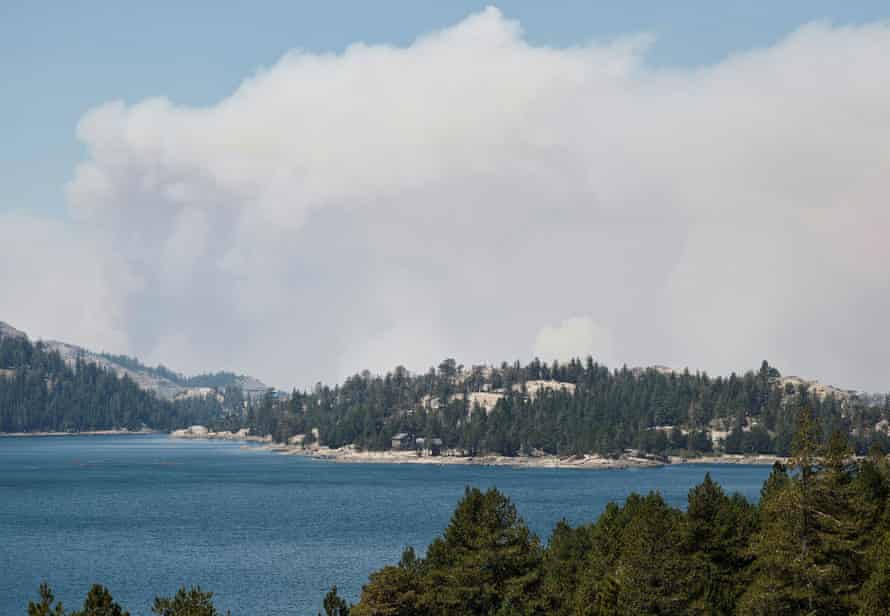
(268, 534)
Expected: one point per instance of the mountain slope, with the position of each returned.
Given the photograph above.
(167, 384)
(41, 392)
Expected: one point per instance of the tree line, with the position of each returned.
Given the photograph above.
(40, 392)
(604, 412)
(99, 602)
(599, 411)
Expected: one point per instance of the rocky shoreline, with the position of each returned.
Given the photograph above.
(730, 458)
(352, 455)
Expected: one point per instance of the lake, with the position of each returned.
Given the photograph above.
(268, 534)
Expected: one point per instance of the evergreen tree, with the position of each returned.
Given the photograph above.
(562, 568)
(191, 602)
(487, 561)
(650, 575)
(718, 529)
(874, 597)
(334, 604)
(99, 602)
(45, 607)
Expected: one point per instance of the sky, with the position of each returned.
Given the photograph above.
(300, 191)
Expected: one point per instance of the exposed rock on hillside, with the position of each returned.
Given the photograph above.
(145, 377)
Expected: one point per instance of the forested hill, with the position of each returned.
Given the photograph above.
(577, 407)
(161, 380)
(40, 391)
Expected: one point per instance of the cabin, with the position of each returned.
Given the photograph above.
(402, 442)
(435, 446)
(431, 446)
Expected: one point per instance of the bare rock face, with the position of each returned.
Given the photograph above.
(164, 388)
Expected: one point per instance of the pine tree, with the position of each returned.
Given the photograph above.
(785, 563)
(45, 606)
(874, 597)
(99, 602)
(334, 604)
(718, 530)
(191, 602)
(487, 561)
(650, 575)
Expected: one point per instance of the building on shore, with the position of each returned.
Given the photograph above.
(402, 442)
(428, 446)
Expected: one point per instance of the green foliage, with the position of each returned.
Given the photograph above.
(45, 607)
(874, 598)
(191, 602)
(649, 577)
(607, 413)
(99, 602)
(45, 394)
(718, 529)
(487, 560)
(817, 543)
(391, 591)
(334, 604)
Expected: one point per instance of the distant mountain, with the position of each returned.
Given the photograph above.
(9, 330)
(166, 383)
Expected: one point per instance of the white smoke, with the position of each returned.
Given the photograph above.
(460, 195)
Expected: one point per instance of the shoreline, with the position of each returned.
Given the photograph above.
(348, 455)
(351, 455)
(113, 432)
(754, 459)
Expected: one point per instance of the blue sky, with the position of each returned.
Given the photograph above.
(59, 59)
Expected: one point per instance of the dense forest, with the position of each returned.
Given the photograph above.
(40, 392)
(816, 543)
(573, 408)
(577, 407)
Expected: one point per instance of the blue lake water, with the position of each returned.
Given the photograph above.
(268, 534)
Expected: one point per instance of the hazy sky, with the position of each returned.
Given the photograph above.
(300, 193)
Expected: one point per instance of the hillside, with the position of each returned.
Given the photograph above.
(55, 386)
(167, 384)
(575, 408)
